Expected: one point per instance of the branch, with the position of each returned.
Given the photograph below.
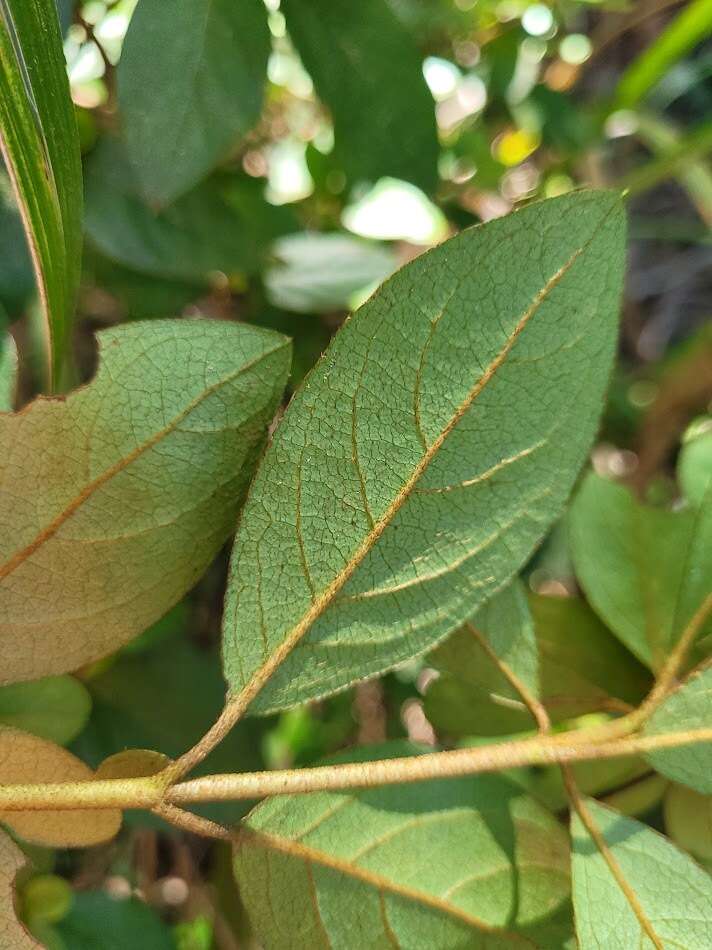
(574, 746)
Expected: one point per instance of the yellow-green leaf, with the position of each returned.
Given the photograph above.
(13, 935)
(115, 499)
(27, 759)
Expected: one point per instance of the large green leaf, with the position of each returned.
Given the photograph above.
(367, 71)
(41, 147)
(114, 500)
(437, 864)
(13, 935)
(222, 225)
(54, 708)
(582, 668)
(190, 83)
(686, 709)
(390, 504)
(645, 570)
(657, 897)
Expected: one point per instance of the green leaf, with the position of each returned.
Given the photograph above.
(690, 27)
(55, 708)
(97, 921)
(8, 371)
(368, 72)
(222, 225)
(694, 467)
(13, 935)
(669, 898)
(688, 820)
(41, 148)
(645, 570)
(116, 498)
(390, 503)
(687, 708)
(464, 862)
(583, 668)
(301, 281)
(17, 280)
(190, 83)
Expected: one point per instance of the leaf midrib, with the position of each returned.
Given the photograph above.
(377, 881)
(119, 466)
(319, 604)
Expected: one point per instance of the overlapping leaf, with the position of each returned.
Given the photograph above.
(645, 570)
(643, 892)
(13, 935)
(41, 147)
(371, 79)
(28, 759)
(54, 708)
(190, 82)
(465, 862)
(8, 371)
(390, 503)
(113, 501)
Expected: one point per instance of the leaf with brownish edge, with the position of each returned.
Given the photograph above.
(114, 501)
(27, 759)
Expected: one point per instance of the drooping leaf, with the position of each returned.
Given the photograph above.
(97, 921)
(319, 273)
(665, 900)
(8, 371)
(694, 468)
(583, 668)
(190, 83)
(28, 759)
(686, 709)
(464, 862)
(367, 71)
(54, 708)
(41, 149)
(688, 820)
(115, 500)
(222, 225)
(13, 935)
(645, 570)
(390, 504)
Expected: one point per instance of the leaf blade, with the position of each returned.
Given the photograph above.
(41, 147)
(13, 935)
(438, 379)
(118, 497)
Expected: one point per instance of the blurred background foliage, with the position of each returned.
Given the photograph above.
(334, 142)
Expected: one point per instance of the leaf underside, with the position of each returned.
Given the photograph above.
(13, 935)
(114, 500)
(428, 452)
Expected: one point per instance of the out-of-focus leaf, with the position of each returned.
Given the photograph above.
(116, 499)
(28, 759)
(223, 225)
(8, 371)
(55, 708)
(41, 148)
(688, 708)
(367, 71)
(645, 570)
(464, 862)
(13, 935)
(133, 763)
(666, 900)
(688, 820)
(690, 27)
(582, 667)
(320, 273)
(17, 282)
(97, 921)
(190, 83)
(389, 505)
(694, 468)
